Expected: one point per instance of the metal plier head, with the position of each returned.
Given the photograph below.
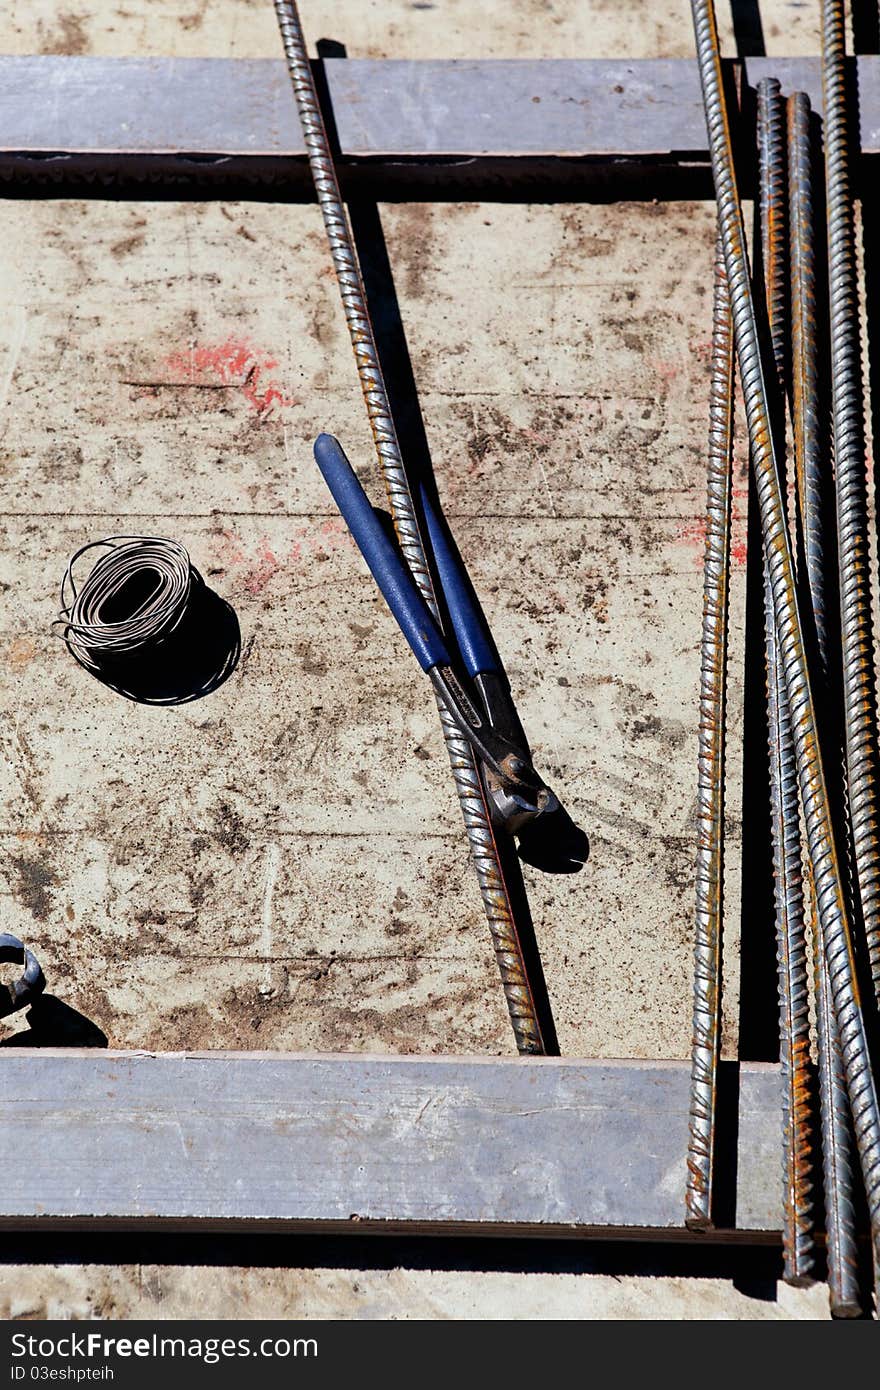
(30, 983)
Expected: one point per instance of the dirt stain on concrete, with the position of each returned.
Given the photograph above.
(20, 653)
(32, 885)
(69, 37)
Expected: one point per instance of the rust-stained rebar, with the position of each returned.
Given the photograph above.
(794, 1019)
(851, 481)
(832, 904)
(487, 862)
(811, 453)
(839, 1177)
(710, 767)
(813, 481)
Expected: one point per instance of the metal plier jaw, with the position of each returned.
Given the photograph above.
(471, 682)
(30, 983)
(516, 793)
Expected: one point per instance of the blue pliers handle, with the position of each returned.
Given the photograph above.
(390, 571)
(470, 681)
(387, 566)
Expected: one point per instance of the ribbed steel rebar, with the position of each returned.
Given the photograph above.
(813, 473)
(850, 471)
(710, 766)
(798, 1245)
(791, 954)
(832, 907)
(493, 890)
(773, 205)
(841, 1236)
(811, 458)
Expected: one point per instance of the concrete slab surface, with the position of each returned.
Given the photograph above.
(159, 1291)
(167, 376)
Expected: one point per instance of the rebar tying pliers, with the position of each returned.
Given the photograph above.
(470, 681)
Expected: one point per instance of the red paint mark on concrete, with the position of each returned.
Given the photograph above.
(267, 565)
(693, 533)
(311, 541)
(322, 540)
(234, 362)
(229, 549)
(257, 569)
(335, 532)
(536, 437)
(738, 552)
(667, 369)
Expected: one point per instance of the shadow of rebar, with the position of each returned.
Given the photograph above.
(748, 28)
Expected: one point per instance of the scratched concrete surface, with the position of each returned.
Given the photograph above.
(243, 850)
(400, 28)
(152, 1291)
(282, 864)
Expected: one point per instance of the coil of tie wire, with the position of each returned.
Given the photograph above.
(141, 616)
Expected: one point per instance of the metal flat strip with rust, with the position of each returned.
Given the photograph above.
(264, 1140)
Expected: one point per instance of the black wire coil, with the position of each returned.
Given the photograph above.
(145, 623)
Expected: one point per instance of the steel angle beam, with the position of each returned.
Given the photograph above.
(443, 125)
(258, 1141)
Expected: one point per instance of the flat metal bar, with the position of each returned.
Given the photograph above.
(260, 1140)
(391, 109)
